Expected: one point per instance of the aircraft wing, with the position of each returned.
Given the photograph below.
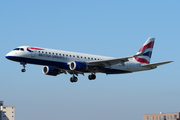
(156, 64)
(114, 61)
(110, 61)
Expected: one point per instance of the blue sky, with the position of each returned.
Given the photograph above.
(110, 28)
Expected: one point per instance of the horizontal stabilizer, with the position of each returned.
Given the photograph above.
(156, 64)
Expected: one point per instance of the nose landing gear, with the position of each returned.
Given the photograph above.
(24, 65)
(23, 70)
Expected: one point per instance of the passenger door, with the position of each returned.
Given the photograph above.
(33, 53)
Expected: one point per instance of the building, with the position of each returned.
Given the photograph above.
(1, 103)
(162, 116)
(7, 112)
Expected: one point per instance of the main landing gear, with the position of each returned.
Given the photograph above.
(24, 65)
(92, 77)
(73, 79)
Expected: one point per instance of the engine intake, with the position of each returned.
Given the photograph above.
(78, 66)
(48, 70)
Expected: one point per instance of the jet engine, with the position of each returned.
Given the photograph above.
(78, 66)
(48, 70)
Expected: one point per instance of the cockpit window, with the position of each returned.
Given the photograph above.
(16, 49)
(21, 49)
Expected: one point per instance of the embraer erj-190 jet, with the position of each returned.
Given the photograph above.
(57, 61)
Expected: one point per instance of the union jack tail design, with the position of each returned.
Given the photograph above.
(146, 49)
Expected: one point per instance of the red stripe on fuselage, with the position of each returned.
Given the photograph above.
(149, 45)
(35, 48)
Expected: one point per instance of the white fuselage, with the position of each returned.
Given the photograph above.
(60, 59)
(56, 62)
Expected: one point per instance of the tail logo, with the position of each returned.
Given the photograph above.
(147, 49)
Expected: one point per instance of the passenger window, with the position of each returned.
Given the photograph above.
(66, 55)
(63, 54)
(70, 55)
(56, 54)
(60, 54)
(77, 56)
(73, 55)
(84, 57)
(46, 52)
(49, 52)
(91, 58)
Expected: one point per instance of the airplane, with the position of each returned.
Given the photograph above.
(56, 62)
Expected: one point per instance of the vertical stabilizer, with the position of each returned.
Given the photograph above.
(146, 49)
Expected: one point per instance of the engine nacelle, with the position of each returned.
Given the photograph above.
(78, 66)
(48, 70)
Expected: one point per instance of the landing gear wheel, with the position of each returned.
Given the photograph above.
(23, 70)
(73, 79)
(92, 77)
(24, 65)
(89, 77)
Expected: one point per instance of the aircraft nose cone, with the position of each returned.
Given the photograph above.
(9, 56)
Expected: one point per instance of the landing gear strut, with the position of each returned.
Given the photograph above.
(92, 77)
(24, 65)
(73, 79)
